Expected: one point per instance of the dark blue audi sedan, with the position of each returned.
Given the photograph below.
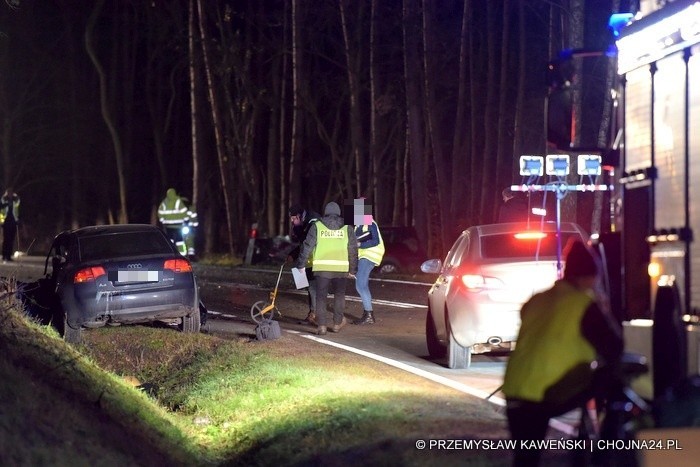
(119, 274)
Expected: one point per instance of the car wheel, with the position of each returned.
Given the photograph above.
(70, 334)
(458, 356)
(436, 349)
(191, 322)
(388, 267)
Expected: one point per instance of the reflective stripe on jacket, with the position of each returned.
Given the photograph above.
(550, 342)
(373, 253)
(172, 212)
(331, 252)
(6, 204)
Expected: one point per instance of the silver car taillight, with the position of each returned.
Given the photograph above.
(477, 282)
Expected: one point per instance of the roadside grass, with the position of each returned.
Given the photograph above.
(139, 395)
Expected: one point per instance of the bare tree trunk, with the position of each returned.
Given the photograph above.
(355, 116)
(503, 156)
(435, 140)
(216, 119)
(297, 124)
(284, 188)
(575, 40)
(106, 111)
(487, 194)
(194, 101)
(461, 136)
(414, 117)
(373, 143)
(475, 105)
(520, 93)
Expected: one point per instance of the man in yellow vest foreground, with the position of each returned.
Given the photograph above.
(370, 250)
(563, 331)
(333, 247)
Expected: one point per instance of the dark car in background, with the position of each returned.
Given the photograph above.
(117, 274)
(403, 252)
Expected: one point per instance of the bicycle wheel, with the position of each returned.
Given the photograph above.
(256, 312)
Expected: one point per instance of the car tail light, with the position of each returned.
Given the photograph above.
(178, 265)
(530, 235)
(477, 282)
(88, 274)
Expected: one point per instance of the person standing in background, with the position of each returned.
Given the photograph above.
(9, 216)
(302, 220)
(333, 246)
(370, 251)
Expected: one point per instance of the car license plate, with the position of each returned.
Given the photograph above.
(136, 276)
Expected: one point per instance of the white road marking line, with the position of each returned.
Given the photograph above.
(416, 371)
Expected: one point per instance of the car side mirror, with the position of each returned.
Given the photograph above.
(432, 266)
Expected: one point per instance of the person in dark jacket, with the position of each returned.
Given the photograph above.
(301, 220)
(9, 217)
(333, 247)
(563, 330)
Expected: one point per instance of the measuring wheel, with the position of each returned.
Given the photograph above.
(261, 311)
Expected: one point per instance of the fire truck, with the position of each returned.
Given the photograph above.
(651, 245)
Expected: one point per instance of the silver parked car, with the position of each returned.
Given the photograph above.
(490, 271)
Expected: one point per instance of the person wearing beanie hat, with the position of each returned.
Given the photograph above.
(563, 330)
(301, 220)
(332, 247)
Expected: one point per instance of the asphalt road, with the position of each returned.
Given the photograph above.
(397, 338)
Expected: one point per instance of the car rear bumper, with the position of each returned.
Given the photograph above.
(485, 324)
(116, 308)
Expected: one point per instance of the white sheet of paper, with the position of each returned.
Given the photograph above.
(300, 279)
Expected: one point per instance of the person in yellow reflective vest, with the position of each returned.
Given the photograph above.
(563, 330)
(9, 217)
(370, 252)
(333, 247)
(173, 214)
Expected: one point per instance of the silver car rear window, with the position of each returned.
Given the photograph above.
(506, 245)
(119, 245)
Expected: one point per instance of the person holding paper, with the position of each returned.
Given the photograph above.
(333, 246)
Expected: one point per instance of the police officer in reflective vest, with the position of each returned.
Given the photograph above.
(334, 248)
(173, 214)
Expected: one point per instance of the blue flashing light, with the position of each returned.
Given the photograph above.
(618, 21)
(558, 165)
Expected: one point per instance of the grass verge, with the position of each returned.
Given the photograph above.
(205, 400)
